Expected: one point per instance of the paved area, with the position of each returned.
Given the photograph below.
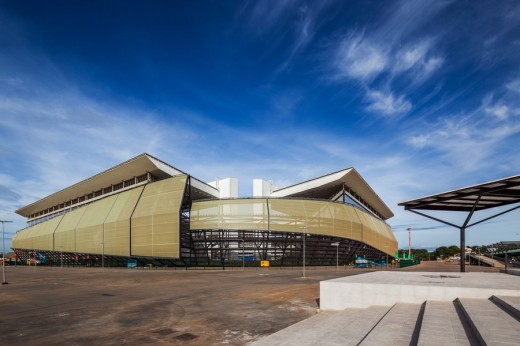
(88, 306)
(92, 306)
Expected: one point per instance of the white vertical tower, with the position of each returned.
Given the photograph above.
(262, 188)
(227, 187)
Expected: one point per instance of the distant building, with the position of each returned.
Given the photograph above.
(147, 210)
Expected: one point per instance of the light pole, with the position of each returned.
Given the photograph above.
(243, 266)
(304, 228)
(61, 257)
(337, 250)
(102, 254)
(4, 281)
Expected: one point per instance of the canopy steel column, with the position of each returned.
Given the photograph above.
(464, 227)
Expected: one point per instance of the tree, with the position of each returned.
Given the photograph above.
(421, 254)
(454, 250)
(442, 252)
(445, 252)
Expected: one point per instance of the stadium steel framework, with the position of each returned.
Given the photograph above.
(147, 210)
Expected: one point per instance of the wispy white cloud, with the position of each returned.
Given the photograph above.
(287, 17)
(358, 58)
(387, 104)
(419, 141)
(392, 53)
(467, 141)
(409, 57)
(514, 85)
(417, 59)
(265, 15)
(500, 111)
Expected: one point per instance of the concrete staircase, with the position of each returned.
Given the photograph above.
(493, 321)
(489, 261)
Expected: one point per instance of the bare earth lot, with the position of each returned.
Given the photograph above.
(86, 306)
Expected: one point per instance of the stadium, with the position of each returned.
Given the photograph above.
(146, 212)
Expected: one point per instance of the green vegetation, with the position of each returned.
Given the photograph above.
(441, 252)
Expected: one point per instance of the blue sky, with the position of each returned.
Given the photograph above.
(419, 96)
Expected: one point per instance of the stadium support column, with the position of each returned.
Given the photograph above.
(187, 249)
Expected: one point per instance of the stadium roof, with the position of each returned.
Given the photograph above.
(328, 185)
(481, 196)
(136, 166)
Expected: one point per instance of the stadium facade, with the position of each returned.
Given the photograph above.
(149, 211)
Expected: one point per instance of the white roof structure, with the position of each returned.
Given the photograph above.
(327, 186)
(135, 167)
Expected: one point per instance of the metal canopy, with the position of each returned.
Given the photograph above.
(469, 199)
(505, 246)
(487, 195)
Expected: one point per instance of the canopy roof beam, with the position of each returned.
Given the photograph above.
(470, 199)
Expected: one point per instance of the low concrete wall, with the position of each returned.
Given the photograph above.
(388, 288)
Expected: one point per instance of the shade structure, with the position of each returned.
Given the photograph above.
(492, 194)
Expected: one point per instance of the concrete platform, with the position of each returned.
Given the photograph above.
(511, 271)
(389, 288)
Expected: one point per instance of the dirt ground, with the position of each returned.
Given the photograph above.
(87, 306)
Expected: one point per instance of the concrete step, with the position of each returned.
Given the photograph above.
(511, 304)
(491, 324)
(346, 327)
(400, 326)
(442, 324)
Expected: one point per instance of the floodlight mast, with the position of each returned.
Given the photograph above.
(4, 281)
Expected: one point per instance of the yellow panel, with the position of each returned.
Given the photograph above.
(247, 214)
(117, 223)
(44, 238)
(155, 222)
(319, 217)
(22, 239)
(205, 215)
(294, 215)
(342, 220)
(31, 235)
(17, 240)
(65, 234)
(287, 215)
(89, 231)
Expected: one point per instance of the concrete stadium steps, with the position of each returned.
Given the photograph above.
(491, 324)
(511, 304)
(444, 324)
(347, 327)
(465, 321)
(399, 326)
(489, 261)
